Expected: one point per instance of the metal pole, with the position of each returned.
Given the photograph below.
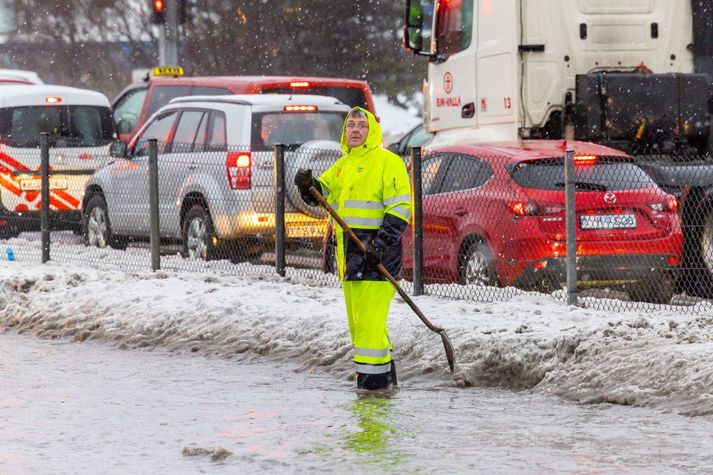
(153, 205)
(571, 224)
(45, 195)
(279, 178)
(162, 44)
(416, 186)
(171, 33)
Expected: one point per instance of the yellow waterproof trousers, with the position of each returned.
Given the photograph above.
(368, 303)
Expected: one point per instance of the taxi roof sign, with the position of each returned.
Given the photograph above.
(175, 71)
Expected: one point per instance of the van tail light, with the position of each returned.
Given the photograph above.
(531, 208)
(670, 204)
(238, 166)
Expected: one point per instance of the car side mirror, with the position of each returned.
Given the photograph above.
(118, 149)
(124, 126)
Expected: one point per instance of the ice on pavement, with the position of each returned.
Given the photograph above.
(530, 342)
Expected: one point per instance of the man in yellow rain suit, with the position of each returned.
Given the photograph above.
(369, 188)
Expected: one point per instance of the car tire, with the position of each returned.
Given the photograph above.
(476, 266)
(97, 227)
(317, 155)
(658, 290)
(197, 234)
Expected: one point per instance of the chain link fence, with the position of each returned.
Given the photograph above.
(491, 225)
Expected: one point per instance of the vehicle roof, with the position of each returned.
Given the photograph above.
(525, 150)
(34, 95)
(267, 101)
(227, 81)
(19, 76)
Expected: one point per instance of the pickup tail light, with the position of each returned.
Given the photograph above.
(238, 166)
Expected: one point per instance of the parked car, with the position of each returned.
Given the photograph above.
(216, 166)
(416, 137)
(494, 214)
(80, 130)
(135, 104)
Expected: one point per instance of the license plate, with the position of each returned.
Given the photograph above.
(35, 184)
(305, 231)
(608, 221)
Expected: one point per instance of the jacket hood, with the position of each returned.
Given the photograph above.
(373, 139)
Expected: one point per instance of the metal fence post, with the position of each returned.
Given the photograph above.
(153, 205)
(571, 224)
(279, 178)
(45, 195)
(416, 186)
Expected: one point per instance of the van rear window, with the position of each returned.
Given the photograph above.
(350, 96)
(67, 126)
(272, 128)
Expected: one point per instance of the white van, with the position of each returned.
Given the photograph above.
(80, 128)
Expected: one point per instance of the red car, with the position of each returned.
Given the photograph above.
(494, 214)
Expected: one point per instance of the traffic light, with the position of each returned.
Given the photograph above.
(186, 10)
(158, 12)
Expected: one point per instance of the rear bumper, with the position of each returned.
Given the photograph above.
(598, 271)
(30, 220)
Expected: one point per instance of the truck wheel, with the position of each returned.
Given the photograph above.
(317, 155)
(198, 234)
(658, 290)
(476, 266)
(97, 228)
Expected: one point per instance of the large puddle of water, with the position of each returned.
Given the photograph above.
(70, 407)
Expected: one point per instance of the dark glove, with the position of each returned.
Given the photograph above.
(303, 180)
(374, 252)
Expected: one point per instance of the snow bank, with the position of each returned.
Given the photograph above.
(530, 342)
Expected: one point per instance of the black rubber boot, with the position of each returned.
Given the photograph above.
(372, 382)
(394, 381)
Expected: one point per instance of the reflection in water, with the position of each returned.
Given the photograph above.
(375, 418)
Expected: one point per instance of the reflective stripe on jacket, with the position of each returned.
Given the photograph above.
(370, 189)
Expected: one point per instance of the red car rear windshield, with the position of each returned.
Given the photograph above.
(601, 176)
(348, 95)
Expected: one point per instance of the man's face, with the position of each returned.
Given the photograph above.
(357, 130)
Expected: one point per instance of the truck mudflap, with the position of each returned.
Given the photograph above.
(643, 113)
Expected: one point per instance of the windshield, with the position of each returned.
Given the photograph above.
(68, 126)
(293, 128)
(603, 176)
(350, 96)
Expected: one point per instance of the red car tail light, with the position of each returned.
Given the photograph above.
(531, 208)
(296, 84)
(238, 166)
(672, 260)
(670, 204)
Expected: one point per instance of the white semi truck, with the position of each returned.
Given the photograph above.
(632, 74)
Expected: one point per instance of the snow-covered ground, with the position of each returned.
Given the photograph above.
(660, 359)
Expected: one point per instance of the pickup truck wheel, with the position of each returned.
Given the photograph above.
(97, 228)
(658, 290)
(476, 266)
(198, 234)
(317, 155)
